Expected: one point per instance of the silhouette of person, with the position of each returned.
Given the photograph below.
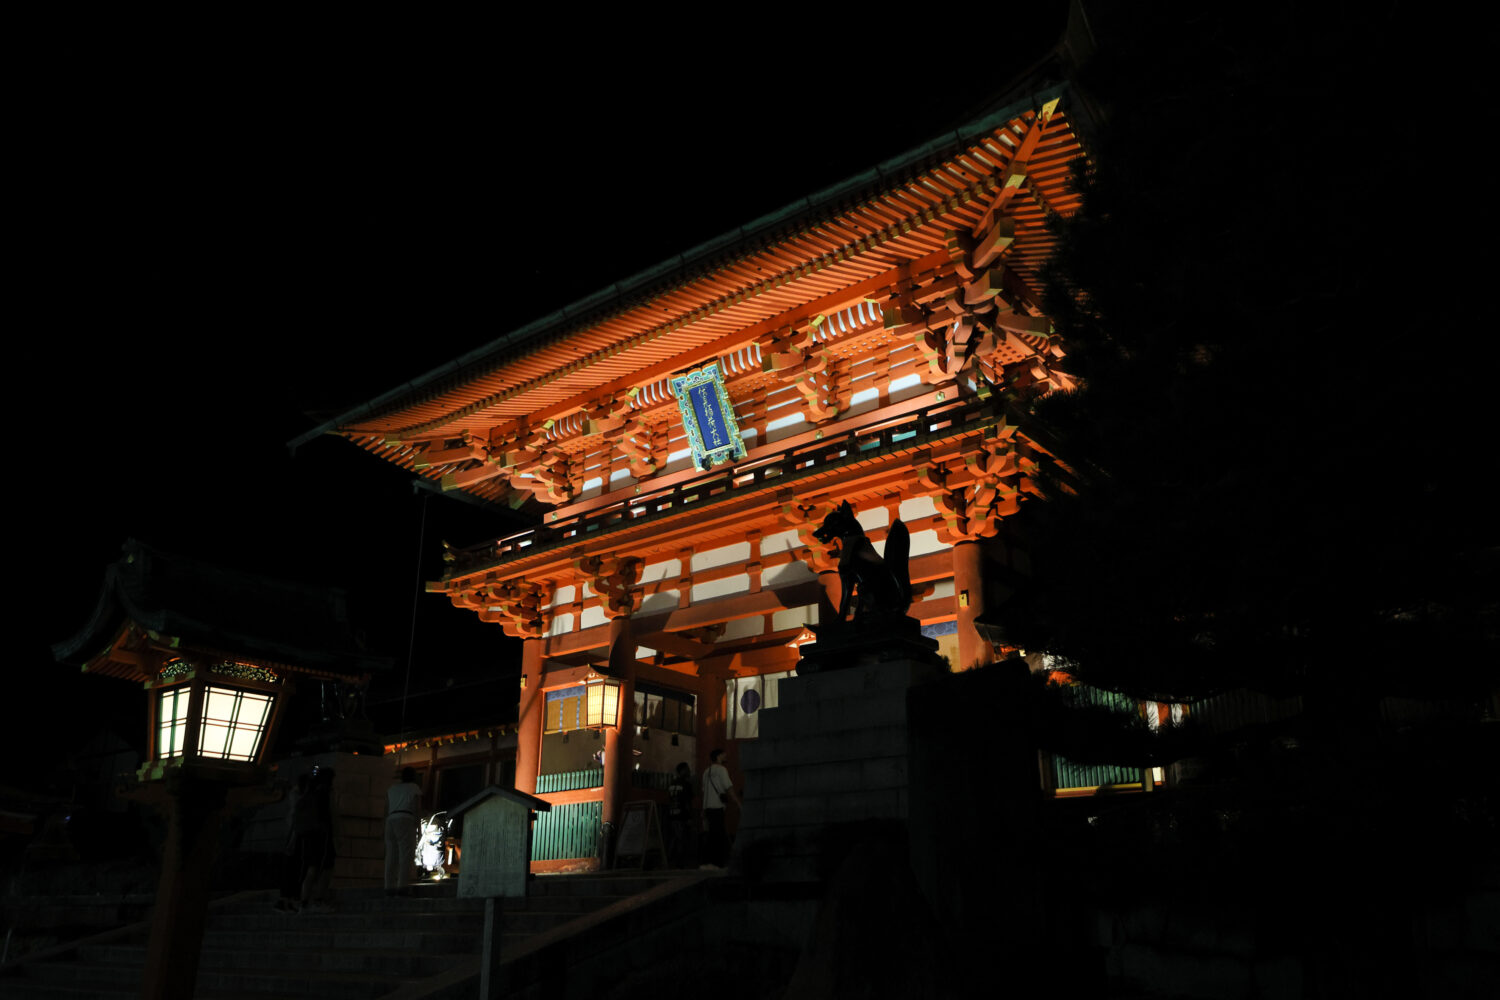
(403, 800)
(718, 791)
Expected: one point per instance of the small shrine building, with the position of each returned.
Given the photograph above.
(689, 428)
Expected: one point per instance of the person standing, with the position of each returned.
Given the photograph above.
(718, 791)
(402, 801)
(679, 817)
(293, 865)
(313, 821)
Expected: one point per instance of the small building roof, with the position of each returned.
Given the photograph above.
(178, 602)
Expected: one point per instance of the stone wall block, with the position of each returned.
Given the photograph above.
(1144, 925)
(778, 782)
(794, 809)
(754, 812)
(1204, 975)
(786, 718)
(816, 687)
(1188, 928)
(1139, 962)
(830, 777)
(883, 772)
(1277, 977)
(753, 754)
(1482, 922)
(846, 807)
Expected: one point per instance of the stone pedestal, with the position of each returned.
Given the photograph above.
(832, 755)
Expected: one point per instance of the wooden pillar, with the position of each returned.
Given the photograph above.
(195, 808)
(828, 601)
(968, 591)
(194, 811)
(619, 740)
(531, 710)
(711, 712)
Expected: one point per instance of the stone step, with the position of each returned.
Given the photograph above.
(29, 989)
(331, 985)
(368, 961)
(88, 977)
(363, 903)
(429, 942)
(592, 885)
(367, 947)
(528, 921)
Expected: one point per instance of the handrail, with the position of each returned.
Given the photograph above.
(927, 425)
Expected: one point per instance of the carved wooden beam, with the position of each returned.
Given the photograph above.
(808, 518)
(613, 578)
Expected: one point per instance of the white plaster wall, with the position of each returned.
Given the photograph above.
(781, 541)
(923, 542)
(737, 584)
(739, 552)
(793, 572)
(904, 386)
(561, 624)
(655, 572)
(785, 425)
(662, 600)
(591, 617)
(563, 595)
(678, 460)
(917, 507)
(793, 617)
(742, 628)
(863, 396)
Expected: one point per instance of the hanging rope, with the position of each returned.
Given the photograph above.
(411, 640)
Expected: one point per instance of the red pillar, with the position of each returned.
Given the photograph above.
(828, 601)
(620, 739)
(968, 591)
(531, 710)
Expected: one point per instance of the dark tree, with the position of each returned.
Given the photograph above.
(1274, 478)
(1277, 456)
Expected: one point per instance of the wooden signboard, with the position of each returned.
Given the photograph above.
(640, 834)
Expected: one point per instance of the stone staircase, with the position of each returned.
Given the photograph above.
(424, 945)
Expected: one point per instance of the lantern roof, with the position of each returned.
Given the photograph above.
(151, 599)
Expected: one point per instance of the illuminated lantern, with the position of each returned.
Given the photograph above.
(601, 704)
(216, 652)
(218, 716)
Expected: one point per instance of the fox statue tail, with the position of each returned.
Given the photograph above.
(897, 551)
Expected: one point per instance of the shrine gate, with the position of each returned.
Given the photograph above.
(867, 342)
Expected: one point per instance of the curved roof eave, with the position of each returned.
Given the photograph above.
(674, 270)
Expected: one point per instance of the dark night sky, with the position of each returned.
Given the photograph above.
(224, 243)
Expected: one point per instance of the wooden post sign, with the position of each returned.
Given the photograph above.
(640, 834)
(708, 416)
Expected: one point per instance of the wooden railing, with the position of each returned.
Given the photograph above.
(568, 781)
(905, 433)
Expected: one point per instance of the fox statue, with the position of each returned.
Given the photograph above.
(869, 584)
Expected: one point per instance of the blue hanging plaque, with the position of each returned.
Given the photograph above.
(708, 416)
